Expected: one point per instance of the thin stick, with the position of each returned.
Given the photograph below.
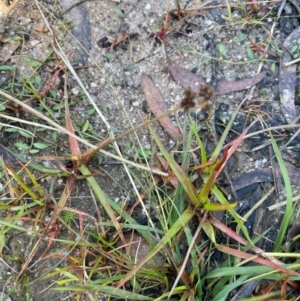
(61, 129)
(276, 206)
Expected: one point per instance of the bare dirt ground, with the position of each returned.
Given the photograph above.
(111, 72)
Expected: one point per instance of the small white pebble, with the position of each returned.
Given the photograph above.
(93, 85)
(208, 22)
(148, 6)
(47, 218)
(20, 223)
(75, 91)
(46, 164)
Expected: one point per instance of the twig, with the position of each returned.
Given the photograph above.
(74, 5)
(276, 206)
(65, 131)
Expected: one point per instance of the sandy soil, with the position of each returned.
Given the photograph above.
(112, 78)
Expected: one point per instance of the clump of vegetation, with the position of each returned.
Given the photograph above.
(114, 254)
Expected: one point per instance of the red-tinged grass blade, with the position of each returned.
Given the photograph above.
(219, 167)
(283, 289)
(89, 154)
(268, 289)
(241, 254)
(221, 142)
(227, 231)
(202, 166)
(219, 195)
(234, 145)
(171, 178)
(74, 145)
(183, 219)
(203, 195)
(238, 238)
(182, 177)
(289, 198)
(189, 294)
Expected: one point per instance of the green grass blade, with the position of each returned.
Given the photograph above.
(219, 195)
(242, 270)
(183, 220)
(289, 198)
(179, 173)
(110, 290)
(199, 141)
(222, 295)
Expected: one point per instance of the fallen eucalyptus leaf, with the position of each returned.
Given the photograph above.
(192, 82)
(158, 106)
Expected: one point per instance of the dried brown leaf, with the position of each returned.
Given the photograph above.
(265, 175)
(158, 106)
(185, 78)
(224, 86)
(193, 82)
(287, 78)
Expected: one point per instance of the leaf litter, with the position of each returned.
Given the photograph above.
(287, 77)
(190, 81)
(158, 106)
